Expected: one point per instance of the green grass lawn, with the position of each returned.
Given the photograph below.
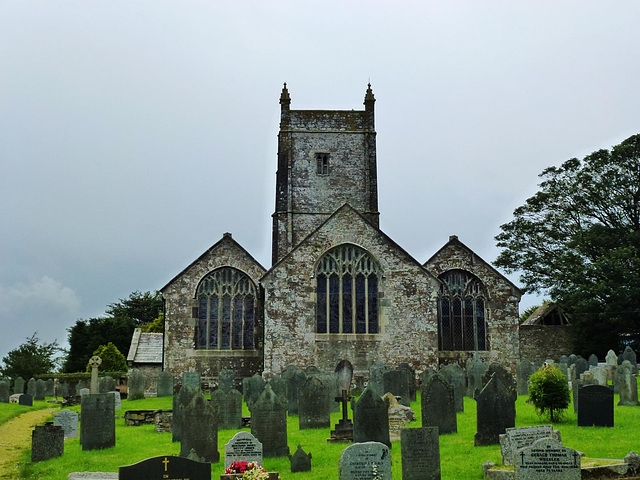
(459, 458)
(12, 410)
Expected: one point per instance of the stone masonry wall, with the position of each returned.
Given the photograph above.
(541, 342)
(179, 352)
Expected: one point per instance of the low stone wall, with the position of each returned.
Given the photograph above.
(135, 418)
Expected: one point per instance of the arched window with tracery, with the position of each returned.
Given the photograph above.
(461, 312)
(226, 311)
(347, 291)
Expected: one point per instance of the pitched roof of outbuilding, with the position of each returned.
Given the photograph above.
(145, 347)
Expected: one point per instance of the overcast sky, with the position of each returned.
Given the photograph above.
(134, 134)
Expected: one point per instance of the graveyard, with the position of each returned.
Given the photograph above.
(461, 455)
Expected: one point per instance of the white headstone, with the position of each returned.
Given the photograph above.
(242, 447)
(68, 420)
(547, 459)
(363, 461)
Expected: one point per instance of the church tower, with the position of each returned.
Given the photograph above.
(325, 158)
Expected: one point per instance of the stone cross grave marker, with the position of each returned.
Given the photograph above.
(516, 438)
(94, 363)
(68, 420)
(438, 409)
(360, 460)
(243, 447)
(420, 453)
(595, 406)
(547, 459)
(47, 441)
(165, 467)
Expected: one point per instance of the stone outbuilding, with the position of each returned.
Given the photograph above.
(145, 354)
(546, 334)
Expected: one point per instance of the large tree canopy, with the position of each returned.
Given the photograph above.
(578, 240)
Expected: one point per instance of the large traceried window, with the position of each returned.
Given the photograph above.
(461, 312)
(226, 311)
(347, 291)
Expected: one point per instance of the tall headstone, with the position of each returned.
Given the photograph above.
(572, 359)
(68, 420)
(595, 407)
(507, 380)
(243, 447)
(331, 383)
(456, 377)
(227, 380)
(314, 410)
(49, 390)
(438, 408)
(420, 453)
(47, 442)
(180, 402)
(252, 388)
(278, 386)
(4, 392)
(106, 384)
(294, 379)
(564, 359)
(79, 386)
(376, 377)
(600, 375)
(98, 426)
(593, 360)
(116, 399)
(524, 370)
(581, 366)
(269, 423)
(95, 363)
(192, 379)
(612, 358)
(628, 389)
(371, 419)
(367, 460)
(164, 384)
(63, 389)
(230, 408)
(547, 459)
(412, 375)
(476, 368)
(398, 382)
(200, 430)
(41, 387)
(496, 411)
(628, 354)
(300, 461)
(18, 385)
(31, 387)
(136, 384)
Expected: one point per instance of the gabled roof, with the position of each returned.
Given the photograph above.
(454, 241)
(346, 207)
(145, 347)
(544, 310)
(226, 237)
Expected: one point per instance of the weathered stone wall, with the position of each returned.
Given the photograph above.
(179, 352)
(502, 305)
(541, 342)
(408, 328)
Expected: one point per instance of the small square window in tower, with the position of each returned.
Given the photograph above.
(322, 160)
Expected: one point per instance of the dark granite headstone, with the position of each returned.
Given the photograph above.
(412, 374)
(227, 380)
(294, 379)
(165, 467)
(505, 377)
(164, 384)
(200, 429)
(25, 399)
(314, 409)
(438, 409)
(278, 386)
(547, 459)
(628, 354)
(41, 387)
(106, 384)
(230, 408)
(98, 426)
(4, 392)
(476, 368)
(420, 453)
(135, 384)
(371, 419)
(593, 360)
(63, 389)
(180, 401)
(581, 366)
(496, 411)
(376, 377)
(49, 388)
(564, 359)
(524, 370)
(47, 442)
(364, 461)
(192, 379)
(68, 420)
(18, 385)
(595, 406)
(398, 383)
(31, 387)
(456, 377)
(300, 461)
(269, 423)
(252, 388)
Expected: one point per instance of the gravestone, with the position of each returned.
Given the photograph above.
(314, 410)
(312, 370)
(68, 420)
(438, 409)
(593, 360)
(330, 382)
(243, 447)
(47, 441)
(412, 375)
(84, 391)
(564, 368)
(524, 370)
(41, 387)
(64, 389)
(575, 385)
(376, 377)
(278, 386)
(363, 461)
(192, 379)
(426, 375)
(420, 454)
(476, 368)
(165, 467)
(94, 363)
(399, 416)
(507, 380)
(180, 401)
(595, 407)
(454, 374)
(628, 389)
(49, 390)
(200, 430)
(106, 384)
(398, 382)
(581, 366)
(294, 379)
(18, 385)
(618, 374)
(547, 459)
(572, 359)
(628, 354)
(496, 411)
(564, 359)
(300, 461)
(229, 407)
(371, 419)
(116, 399)
(269, 423)
(135, 385)
(600, 375)
(516, 438)
(164, 384)
(612, 358)
(571, 373)
(4, 392)
(31, 387)
(227, 380)
(25, 399)
(80, 386)
(252, 388)
(98, 426)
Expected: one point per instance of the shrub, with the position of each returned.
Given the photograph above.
(112, 359)
(549, 392)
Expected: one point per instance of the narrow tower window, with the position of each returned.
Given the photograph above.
(322, 161)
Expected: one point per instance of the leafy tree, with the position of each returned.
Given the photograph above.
(140, 307)
(549, 392)
(30, 359)
(112, 359)
(578, 240)
(157, 326)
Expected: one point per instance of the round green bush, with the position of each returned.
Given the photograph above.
(112, 359)
(549, 392)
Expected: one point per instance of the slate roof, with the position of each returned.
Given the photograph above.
(537, 317)
(145, 348)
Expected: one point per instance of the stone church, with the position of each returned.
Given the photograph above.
(338, 287)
